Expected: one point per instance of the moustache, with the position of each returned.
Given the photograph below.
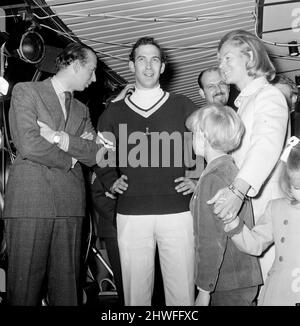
(220, 93)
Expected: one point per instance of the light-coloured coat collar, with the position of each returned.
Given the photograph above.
(251, 89)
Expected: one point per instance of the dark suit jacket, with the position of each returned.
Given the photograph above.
(219, 264)
(105, 210)
(41, 181)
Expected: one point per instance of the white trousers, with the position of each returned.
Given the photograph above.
(137, 238)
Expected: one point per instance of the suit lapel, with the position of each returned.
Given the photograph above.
(53, 106)
(54, 109)
(75, 118)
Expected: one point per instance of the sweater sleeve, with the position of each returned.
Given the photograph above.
(107, 171)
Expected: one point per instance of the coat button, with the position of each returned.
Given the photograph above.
(280, 258)
(282, 239)
(211, 285)
(285, 222)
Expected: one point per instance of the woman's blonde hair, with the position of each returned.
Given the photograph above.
(260, 65)
(220, 124)
(291, 166)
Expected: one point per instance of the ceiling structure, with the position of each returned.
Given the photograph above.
(278, 25)
(189, 31)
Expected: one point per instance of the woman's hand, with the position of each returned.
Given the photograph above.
(226, 205)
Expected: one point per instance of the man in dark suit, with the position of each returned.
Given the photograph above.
(104, 204)
(45, 197)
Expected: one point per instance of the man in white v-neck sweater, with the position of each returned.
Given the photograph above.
(148, 129)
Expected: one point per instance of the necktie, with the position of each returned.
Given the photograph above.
(68, 98)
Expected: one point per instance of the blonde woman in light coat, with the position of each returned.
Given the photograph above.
(244, 61)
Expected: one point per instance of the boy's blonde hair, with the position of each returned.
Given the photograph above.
(291, 166)
(220, 124)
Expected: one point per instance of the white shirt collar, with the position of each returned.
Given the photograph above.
(58, 86)
(59, 91)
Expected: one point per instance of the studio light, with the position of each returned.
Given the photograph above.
(293, 49)
(24, 41)
(29, 47)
